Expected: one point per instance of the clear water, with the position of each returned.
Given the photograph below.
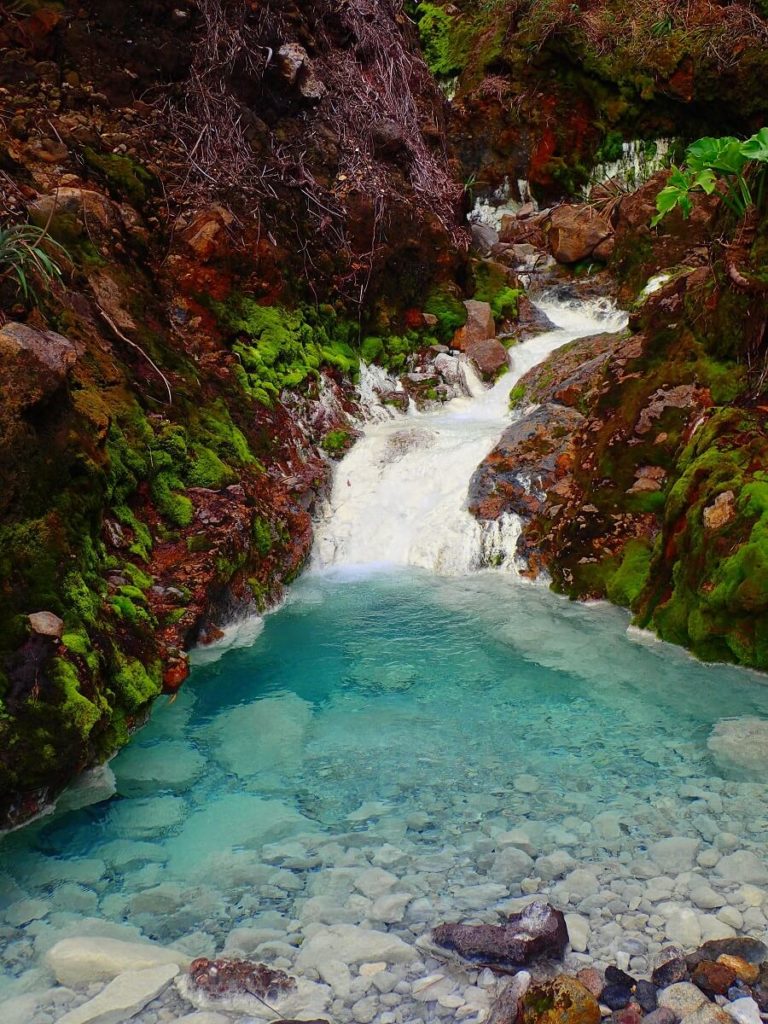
(376, 709)
(423, 719)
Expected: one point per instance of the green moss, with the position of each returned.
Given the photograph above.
(631, 576)
(208, 470)
(261, 532)
(175, 507)
(451, 313)
(135, 684)
(445, 41)
(126, 178)
(517, 395)
(336, 442)
(76, 710)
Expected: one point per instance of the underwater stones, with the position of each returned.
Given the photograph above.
(578, 932)
(91, 787)
(352, 945)
(265, 736)
(123, 997)
(744, 1011)
(752, 950)
(511, 865)
(574, 232)
(172, 765)
(83, 960)
(563, 1000)
(233, 820)
(374, 882)
(741, 745)
(743, 969)
(682, 998)
(244, 986)
(675, 854)
(145, 818)
(742, 866)
(537, 931)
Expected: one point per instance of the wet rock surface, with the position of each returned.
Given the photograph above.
(538, 931)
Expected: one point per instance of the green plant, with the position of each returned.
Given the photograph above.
(733, 166)
(24, 257)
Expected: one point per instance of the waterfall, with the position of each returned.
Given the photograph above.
(400, 495)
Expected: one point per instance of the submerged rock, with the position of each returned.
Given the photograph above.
(83, 960)
(538, 931)
(740, 744)
(245, 986)
(563, 1000)
(124, 997)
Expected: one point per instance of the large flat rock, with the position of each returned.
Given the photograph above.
(124, 997)
(82, 960)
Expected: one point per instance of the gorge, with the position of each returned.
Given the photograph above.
(382, 533)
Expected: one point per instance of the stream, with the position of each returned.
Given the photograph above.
(410, 739)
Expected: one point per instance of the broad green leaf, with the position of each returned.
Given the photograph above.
(705, 152)
(706, 181)
(756, 148)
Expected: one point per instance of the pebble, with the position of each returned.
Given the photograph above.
(681, 998)
(744, 1011)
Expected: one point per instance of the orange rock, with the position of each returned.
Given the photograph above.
(175, 673)
(743, 970)
(721, 512)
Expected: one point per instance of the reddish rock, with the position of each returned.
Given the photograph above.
(575, 231)
(743, 969)
(479, 326)
(712, 977)
(538, 931)
(489, 357)
(631, 1014)
(591, 979)
(35, 364)
(176, 672)
(229, 977)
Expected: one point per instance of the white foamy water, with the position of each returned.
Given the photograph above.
(400, 495)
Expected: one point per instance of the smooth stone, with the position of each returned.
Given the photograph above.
(675, 854)
(616, 997)
(744, 1011)
(526, 783)
(752, 950)
(375, 882)
(661, 1016)
(707, 1013)
(511, 865)
(742, 866)
(581, 883)
(578, 932)
(681, 998)
(80, 960)
(743, 969)
(390, 908)
(148, 817)
(203, 1017)
(741, 745)
(91, 787)
(646, 995)
(141, 770)
(262, 737)
(123, 997)
(25, 911)
(352, 945)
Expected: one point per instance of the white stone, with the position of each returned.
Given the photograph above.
(554, 864)
(25, 911)
(744, 1011)
(82, 960)
(262, 737)
(742, 866)
(364, 1010)
(682, 998)
(526, 783)
(752, 896)
(705, 897)
(578, 932)
(235, 820)
(123, 997)
(353, 945)
(429, 989)
(369, 809)
(516, 837)
(741, 745)
(712, 928)
(375, 882)
(731, 916)
(336, 974)
(390, 908)
(510, 865)
(141, 770)
(683, 927)
(143, 819)
(369, 970)
(581, 883)
(203, 1017)
(675, 854)
(607, 825)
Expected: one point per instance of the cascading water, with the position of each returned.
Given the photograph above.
(400, 496)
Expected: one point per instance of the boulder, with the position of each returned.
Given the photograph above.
(742, 866)
(484, 237)
(83, 960)
(739, 745)
(34, 363)
(123, 997)
(537, 931)
(489, 357)
(352, 945)
(563, 1000)
(46, 624)
(574, 232)
(90, 209)
(675, 854)
(479, 326)
(671, 967)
